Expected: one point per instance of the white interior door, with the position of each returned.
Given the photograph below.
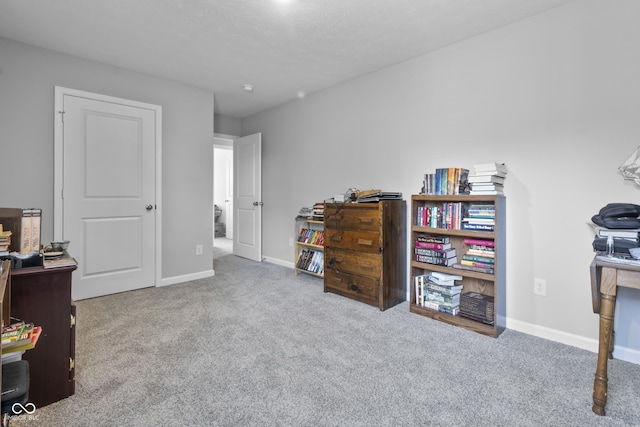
(109, 191)
(229, 200)
(247, 197)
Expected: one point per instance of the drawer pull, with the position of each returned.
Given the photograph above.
(353, 287)
(336, 280)
(364, 220)
(337, 260)
(364, 242)
(337, 237)
(365, 266)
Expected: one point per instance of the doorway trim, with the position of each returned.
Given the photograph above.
(58, 168)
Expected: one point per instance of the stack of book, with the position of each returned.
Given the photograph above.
(477, 306)
(480, 256)
(488, 179)
(318, 211)
(439, 291)
(19, 336)
(481, 217)
(437, 250)
(446, 181)
(5, 241)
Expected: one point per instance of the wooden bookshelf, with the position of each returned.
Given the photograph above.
(484, 283)
(300, 247)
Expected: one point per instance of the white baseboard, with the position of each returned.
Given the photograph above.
(186, 278)
(619, 352)
(279, 262)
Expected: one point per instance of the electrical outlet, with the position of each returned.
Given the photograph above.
(540, 287)
(198, 249)
(291, 241)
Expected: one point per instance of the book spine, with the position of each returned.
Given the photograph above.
(436, 261)
(428, 245)
(480, 242)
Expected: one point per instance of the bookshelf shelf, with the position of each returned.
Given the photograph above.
(473, 281)
(305, 249)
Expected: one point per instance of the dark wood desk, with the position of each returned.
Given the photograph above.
(606, 277)
(43, 296)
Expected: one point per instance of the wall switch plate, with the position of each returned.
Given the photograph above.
(540, 287)
(198, 249)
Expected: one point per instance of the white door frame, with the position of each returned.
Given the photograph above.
(58, 159)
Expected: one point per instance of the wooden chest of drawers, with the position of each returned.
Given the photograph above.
(365, 251)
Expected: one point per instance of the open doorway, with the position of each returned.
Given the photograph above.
(222, 195)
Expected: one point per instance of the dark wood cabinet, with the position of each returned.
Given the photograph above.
(365, 251)
(43, 297)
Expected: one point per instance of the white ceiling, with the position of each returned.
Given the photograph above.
(283, 48)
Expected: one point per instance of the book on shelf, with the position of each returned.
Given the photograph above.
(446, 181)
(444, 290)
(441, 307)
(430, 238)
(429, 245)
(486, 192)
(444, 279)
(477, 306)
(478, 227)
(476, 220)
(25, 231)
(481, 252)
(490, 167)
(482, 211)
(477, 264)
(487, 186)
(479, 258)
(479, 242)
(446, 253)
(494, 179)
(474, 268)
(447, 262)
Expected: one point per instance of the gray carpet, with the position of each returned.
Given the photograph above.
(257, 346)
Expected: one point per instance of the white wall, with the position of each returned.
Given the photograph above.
(27, 79)
(556, 97)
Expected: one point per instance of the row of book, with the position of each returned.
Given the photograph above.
(311, 260)
(446, 181)
(457, 216)
(19, 336)
(23, 226)
(487, 179)
(311, 237)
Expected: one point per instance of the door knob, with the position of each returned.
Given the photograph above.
(149, 207)
(257, 203)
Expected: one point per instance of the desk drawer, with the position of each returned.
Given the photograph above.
(356, 218)
(362, 241)
(352, 262)
(364, 287)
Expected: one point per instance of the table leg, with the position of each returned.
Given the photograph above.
(607, 307)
